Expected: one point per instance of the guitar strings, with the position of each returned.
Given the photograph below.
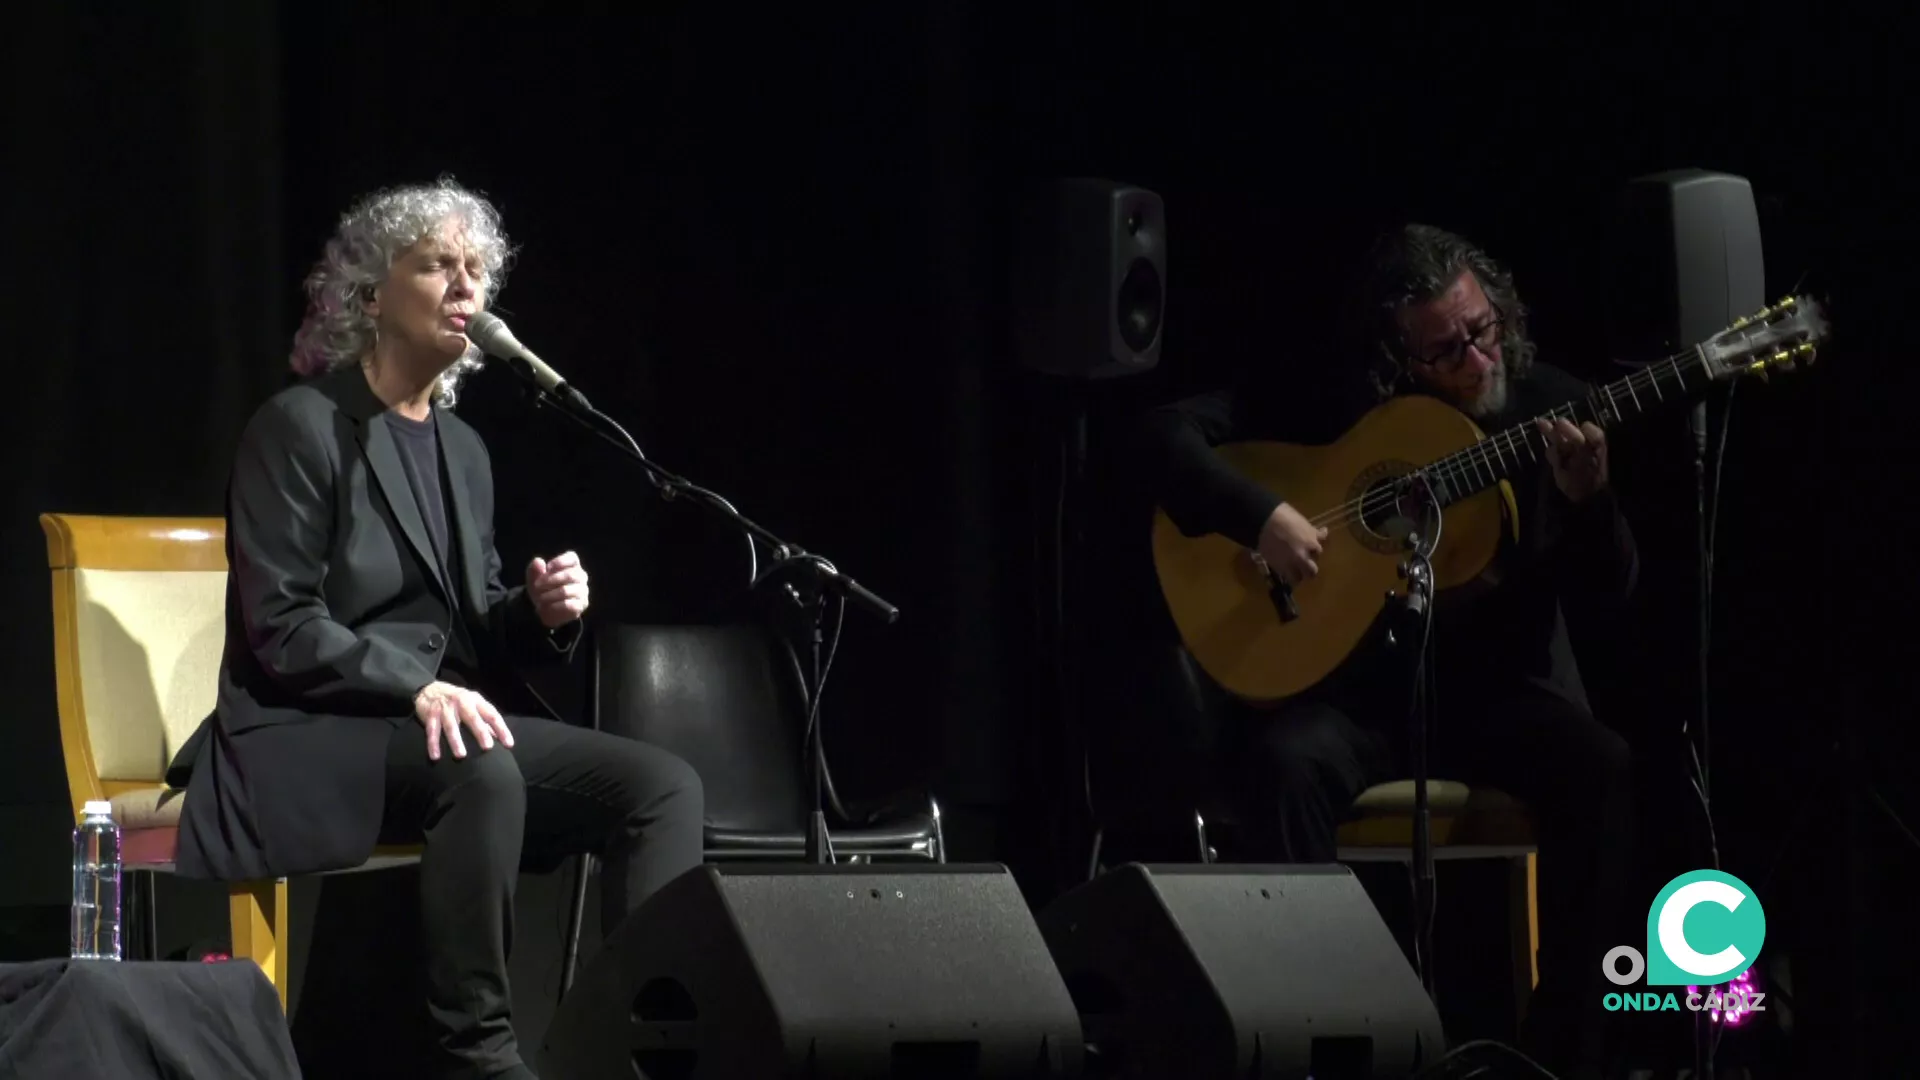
(1481, 455)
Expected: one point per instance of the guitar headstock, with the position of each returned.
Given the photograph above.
(1782, 336)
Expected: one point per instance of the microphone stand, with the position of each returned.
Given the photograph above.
(818, 578)
(1411, 613)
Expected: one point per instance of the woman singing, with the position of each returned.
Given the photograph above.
(368, 691)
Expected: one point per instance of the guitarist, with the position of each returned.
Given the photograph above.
(1511, 713)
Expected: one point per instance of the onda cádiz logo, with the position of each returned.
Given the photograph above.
(1704, 929)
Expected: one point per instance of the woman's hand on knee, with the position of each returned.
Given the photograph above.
(443, 709)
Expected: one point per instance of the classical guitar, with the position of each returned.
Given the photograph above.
(1401, 463)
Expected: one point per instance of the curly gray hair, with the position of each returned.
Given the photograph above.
(337, 330)
(1419, 262)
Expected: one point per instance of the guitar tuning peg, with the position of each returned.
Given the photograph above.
(1784, 304)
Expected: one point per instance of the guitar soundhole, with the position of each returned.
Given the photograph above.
(1386, 513)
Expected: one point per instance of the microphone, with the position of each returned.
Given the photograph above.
(486, 330)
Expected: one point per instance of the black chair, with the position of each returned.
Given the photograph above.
(1148, 759)
(731, 701)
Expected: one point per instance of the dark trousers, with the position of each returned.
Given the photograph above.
(1299, 769)
(560, 790)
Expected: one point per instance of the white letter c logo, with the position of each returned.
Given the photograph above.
(1673, 918)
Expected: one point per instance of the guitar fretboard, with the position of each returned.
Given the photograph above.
(1503, 455)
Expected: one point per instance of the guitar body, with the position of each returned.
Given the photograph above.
(1219, 596)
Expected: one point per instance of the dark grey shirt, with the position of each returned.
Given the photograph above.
(419, 442)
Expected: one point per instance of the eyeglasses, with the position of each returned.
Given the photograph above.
(1484, 338)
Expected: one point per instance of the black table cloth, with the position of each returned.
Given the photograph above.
(130, 1020)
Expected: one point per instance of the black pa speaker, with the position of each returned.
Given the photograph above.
(1687, 260)
(928, 972)
(1239, 971)
(1089, 279)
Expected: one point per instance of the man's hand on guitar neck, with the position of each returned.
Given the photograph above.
(1578, 456)
(1289, 544)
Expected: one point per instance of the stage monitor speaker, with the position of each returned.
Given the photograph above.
(1089, 279)
(1239, 971)
(821, 971)
(1687, 260)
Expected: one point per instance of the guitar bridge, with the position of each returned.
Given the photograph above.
(1282, 596)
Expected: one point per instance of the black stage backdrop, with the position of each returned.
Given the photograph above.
(771, 246)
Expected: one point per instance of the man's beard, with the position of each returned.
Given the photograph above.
(1493, 400)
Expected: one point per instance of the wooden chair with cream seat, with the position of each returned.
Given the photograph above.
(139, 623)
(1465, 823)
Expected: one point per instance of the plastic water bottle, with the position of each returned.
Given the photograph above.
(96, 884)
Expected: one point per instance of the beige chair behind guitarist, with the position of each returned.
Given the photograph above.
(139, 621)
(1163, 764)
(1466, 823)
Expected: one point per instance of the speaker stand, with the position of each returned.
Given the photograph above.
(1706, 1035)
(1064, 405)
